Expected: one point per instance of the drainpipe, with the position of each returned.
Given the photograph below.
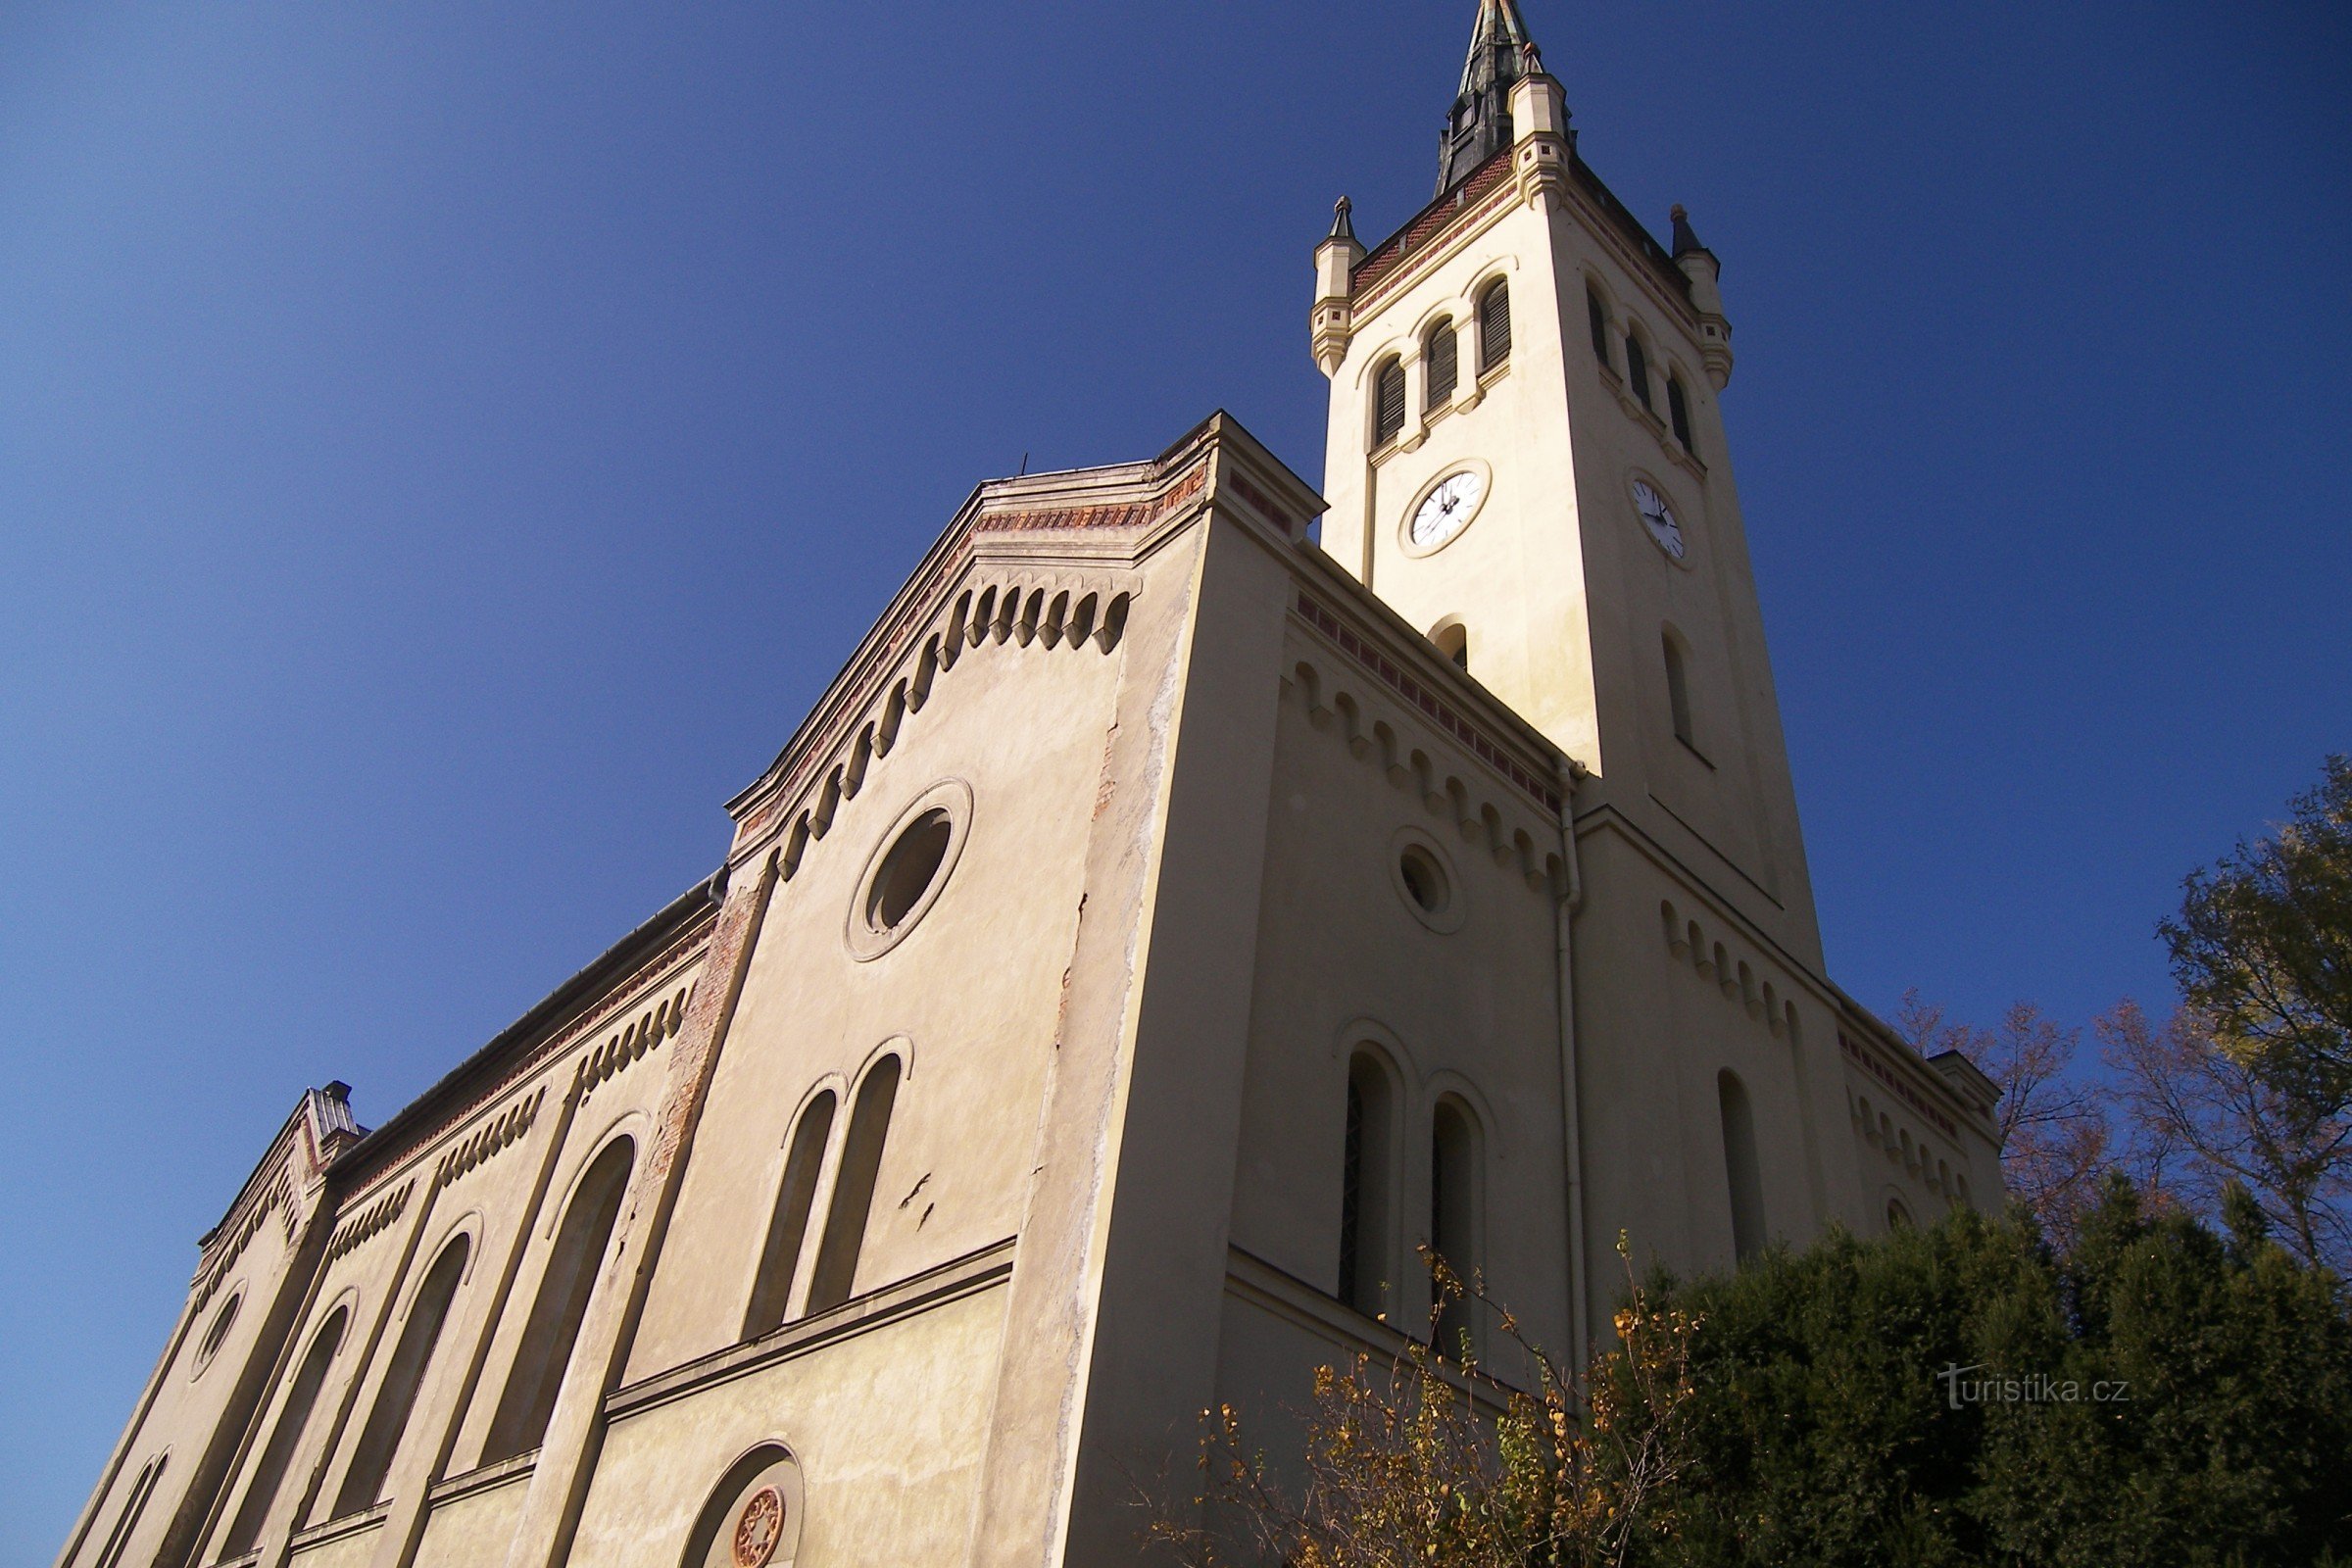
(1569, 896)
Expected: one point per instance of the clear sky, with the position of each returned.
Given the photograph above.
(445, 447)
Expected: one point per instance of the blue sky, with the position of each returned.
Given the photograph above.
(444, 448)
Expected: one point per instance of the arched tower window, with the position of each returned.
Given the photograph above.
(1365, 1226)
(1494, 325)
(564, 1289)
(1677, 688)
(1678, 413)
(1739, 1164)
(1388, 402)
(1453, 640)
(1453, 1210)
(1637, 369)
(854, 1188)
(1441, 352)
(379, 1440)
(117, 1542)
(278, 1453)
(1596, 317)
(780, 1260)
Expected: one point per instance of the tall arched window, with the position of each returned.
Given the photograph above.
(1678, 689)
(1596, 317)
(1453, 1210)
(1365, 1226)
(278, 1453)
(1441, 352)
(1494, 325)
(117, 1542)
(1678, 413)
(780, 1260)
(836, 1274)
(564, 1289)
(1739, 1165)
(1388, 402)
(404, 1375)
(1637, 369)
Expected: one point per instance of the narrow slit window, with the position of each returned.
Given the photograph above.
(1494, 325)
(1741, 1167)
(1678, 691)
(1678, 411)
(1637, 369)
(278, 1455)
(404, 1376)
(836, 1275)
(1388, 402)
(564, 1289)
(1454, 1213)
(1442, 355)
(1364, 1226)
(1597, 315)
(780, 1260)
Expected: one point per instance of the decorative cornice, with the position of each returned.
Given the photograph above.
(502, 1133)
(371, 1221)
(1430, 704)
(1870, 1060)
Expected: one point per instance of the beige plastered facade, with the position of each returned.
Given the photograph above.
(1182, 740)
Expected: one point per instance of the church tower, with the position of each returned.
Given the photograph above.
(1527, 460)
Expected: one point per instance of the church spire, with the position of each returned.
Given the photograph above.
(1480, 122)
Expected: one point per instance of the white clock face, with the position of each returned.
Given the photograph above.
(1447, 511)
(1658, 518)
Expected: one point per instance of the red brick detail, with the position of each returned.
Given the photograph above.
(1433, 706)
(1868, 1061)
(1430, 221)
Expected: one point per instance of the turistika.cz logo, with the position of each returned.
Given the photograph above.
(2030, 1387)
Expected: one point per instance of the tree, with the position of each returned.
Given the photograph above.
(2204, 1117)
(1430, 1461)
(1963, 1394)
(2262, 948)
(2053, 1127)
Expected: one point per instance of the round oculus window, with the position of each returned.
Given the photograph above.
(1425, 880)
(907, 871)
(910, 868)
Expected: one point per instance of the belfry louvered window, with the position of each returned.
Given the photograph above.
(1637, 369)
(1388, 402)
(1678, 412)
(1442, 355)
(1494, 325)
(1596, 315)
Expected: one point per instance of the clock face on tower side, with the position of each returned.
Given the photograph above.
(1658, 518)
(1446, 511)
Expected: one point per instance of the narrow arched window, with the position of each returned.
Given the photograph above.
(117, 1541)
(1454, 1212)
(1453, 640)
(1678, 412)
(404, 1375)
(1388, 402)
(218, 1334)
(1678, 689)
(278, 1453)
(564, 1289)
(1440, 353)
(1740, 1166)
(836, 1275)
(1494, 325)
(1365, 1208)
(780, 1260)
(1637, 369)
(1596, 317)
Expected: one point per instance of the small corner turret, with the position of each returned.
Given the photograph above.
(1700, 266)
(1336, 260)
(1546, 144)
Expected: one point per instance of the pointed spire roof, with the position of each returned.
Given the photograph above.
(1342, 227)
(1685, 238)
(1479, 125)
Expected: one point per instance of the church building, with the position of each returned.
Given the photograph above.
(1194, 894)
